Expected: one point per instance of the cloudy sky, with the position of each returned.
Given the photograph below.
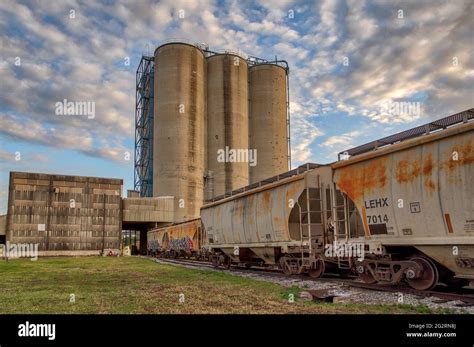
(348, 61)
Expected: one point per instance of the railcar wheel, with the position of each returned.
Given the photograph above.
(224, 261)
(215, 261)
(428, 277)
(318, 269)
(365, 275)
(285, 267)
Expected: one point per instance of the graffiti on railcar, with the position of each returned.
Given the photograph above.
(182, 244)
(154, 245)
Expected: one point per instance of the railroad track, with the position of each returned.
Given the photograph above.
(466, 296)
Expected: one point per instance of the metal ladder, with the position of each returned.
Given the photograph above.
(345, 234)
(305, 216)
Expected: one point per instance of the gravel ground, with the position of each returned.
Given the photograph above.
(345, 294)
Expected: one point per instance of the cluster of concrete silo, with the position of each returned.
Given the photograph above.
(205, 102)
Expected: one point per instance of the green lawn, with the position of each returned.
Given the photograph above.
(138, 285)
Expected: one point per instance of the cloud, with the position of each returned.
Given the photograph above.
(67, 138)
(425, 57)
(19, 158)
(344, 140)
(337, 143)
(303, 134)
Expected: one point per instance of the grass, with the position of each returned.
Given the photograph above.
(138, 285)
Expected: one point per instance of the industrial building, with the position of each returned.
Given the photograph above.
(77, 215)
(191, 103)
(64, 213)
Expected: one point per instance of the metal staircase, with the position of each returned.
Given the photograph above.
(144, 113)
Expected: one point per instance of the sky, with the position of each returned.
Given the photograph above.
(359, 71)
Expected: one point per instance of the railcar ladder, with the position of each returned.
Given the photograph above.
(305, 217)
(345, 234)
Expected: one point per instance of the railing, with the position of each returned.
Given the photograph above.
(425, 129)
(298, 171)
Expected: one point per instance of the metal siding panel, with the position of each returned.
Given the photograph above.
(430, 183)
(250, 216)
(456, 180)
(264, 216)
(280, 214)
(253, 216)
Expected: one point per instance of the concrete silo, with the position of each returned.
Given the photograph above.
(227, 122)
(179, 127)
(268, 120)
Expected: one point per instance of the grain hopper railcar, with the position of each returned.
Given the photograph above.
(402, 212)
(177, 240)
(416, 199)
(286, 221)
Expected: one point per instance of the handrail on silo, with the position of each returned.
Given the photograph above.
(176, 40)
(251, 60)
(203, 47)
(258, 61)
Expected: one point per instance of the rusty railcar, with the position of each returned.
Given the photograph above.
(416, 199)
(181, 239)
(402, 212)
(286, 221)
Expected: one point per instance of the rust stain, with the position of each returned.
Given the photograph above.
(355, 180)
(463, 153)
(430, 185)
(460, 155)
(359, 179)
(292, 191)
(427, 172)
(278, 221)
(428, 164)
(407, 170)
(448, 222)
(364, 220)
(266, 197)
